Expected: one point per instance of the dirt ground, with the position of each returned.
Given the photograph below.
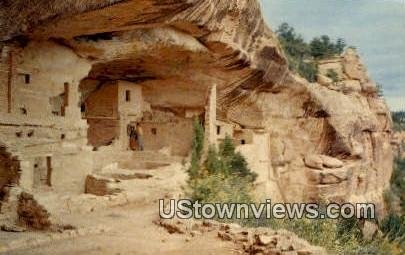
(130, 231)
(124, 229)
(129, 223)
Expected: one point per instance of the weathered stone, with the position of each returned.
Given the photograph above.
(266, 240)
(304, 252)
(225, 236)
(100, 185)
(116, 64)
(328, 176)
(350, 86)
(323, 80)
(251, 240)
(331, 162)
(314, 161)
(369, 230)
(171, 227)
(12, 228)
(353, 68)
(369, 87)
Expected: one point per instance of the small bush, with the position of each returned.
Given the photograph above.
(380, 90)
(338, 236)
(302, 56)
(323, 47)
(308, 71)
(333, 75)
(218, 188)
(224, 175)
(232, 163)
(399, 120)
(393, 226)
(395, 195)
(196, 149)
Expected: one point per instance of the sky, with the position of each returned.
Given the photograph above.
(375, 27)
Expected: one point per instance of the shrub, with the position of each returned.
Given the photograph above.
(339, 236)
(398, 117)
(399, 120)
(218, 188)
(333, 75)
(196, 150)
(393, 226)
(395, 195)
(301, 55)
(297, 51)
(308, 70)
(322, 47)
(380, 90)
(233, 162)
(224, 175)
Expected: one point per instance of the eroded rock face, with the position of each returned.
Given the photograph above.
(331, 139)
(316, 127)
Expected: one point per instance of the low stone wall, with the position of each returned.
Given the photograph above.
(100, 185)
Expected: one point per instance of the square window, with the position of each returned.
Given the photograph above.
(23, 110)
(26, 78)
(154, 131)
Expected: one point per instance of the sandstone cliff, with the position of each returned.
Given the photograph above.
(308, 141)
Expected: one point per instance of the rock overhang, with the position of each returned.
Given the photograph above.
(201, 42)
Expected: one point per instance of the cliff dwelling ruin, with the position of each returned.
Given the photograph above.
(74, 79)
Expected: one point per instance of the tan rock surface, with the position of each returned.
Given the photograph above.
(164, 59)
(314, 161)
(198, 43)
(323, 80)
(331, 162)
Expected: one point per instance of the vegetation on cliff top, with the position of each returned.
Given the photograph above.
(395, 196)
(399, 120)
(302, 55)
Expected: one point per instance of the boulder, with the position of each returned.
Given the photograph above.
(351, 86)
(331, 162)
(265, 240)
(328, 176)
(369, 87)
(357, 149)
(353, 67)
(323, 80)
(12, 228)
(369, 230)
(313, 161)
(100, 185)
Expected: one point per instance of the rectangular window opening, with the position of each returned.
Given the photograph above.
(27, 78)
(48, 171)
(127, 95)
(65, 98)
(218, 130)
